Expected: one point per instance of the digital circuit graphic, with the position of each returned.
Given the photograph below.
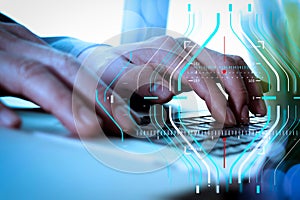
(179, 76)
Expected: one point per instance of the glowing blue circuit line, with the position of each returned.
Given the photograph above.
(193, 26)
(288, 79)
(179, 151)
(173, 143)
(286, 65)
(175, 69)
(263, 68)
(270, 130)
(190, 145)
(120, 72)
(145, 64)
(267, 145)
(157, 124)
(199, 145)
(169, 55)
(262, 141)
(284, 116)
(112, 119)
(198, 52)
(282, 68)
(207, 154)
(200, 174)
(166, 59)
(261, 55)
(189, 22)
(295, 120)
(151, 97)
(192, 156)
(282, 52)
(129, 114)
(249, 145)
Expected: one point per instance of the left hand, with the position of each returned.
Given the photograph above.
(164, 58)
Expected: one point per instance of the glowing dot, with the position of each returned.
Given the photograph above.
(224, 71)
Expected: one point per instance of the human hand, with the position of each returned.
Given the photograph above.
(137, 63)
(33, 70)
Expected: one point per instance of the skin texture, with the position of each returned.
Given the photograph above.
(33, 70)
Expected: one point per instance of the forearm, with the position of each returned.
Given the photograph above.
(68, 45)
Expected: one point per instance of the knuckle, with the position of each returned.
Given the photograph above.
(68, 60)
(6, 38)
(29, 69)
(230, 61)
(239, 60)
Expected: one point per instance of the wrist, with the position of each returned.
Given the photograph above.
(90, 49)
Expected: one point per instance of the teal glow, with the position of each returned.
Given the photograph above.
(230, 7)
(180, 97)
(112, 119)
(189, 7)
(151, 98)
(268, 97)
(258, 189)
(249, 7)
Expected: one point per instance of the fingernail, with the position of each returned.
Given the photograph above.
(245, 115)
(162, 93)
(262, 108)
(230, 118)
(9, 119)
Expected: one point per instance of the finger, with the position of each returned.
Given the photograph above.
(147, 83)
(254, 88)
(231, 80)
(32, 80)
(143, 79)
(63, 65)
(206, 89)
(115, 112)
(240, 89)
(203, 83)
(117, 116)
(159, 51)
(8, 118)
(266, 87)
(22, 32)
(234, 85)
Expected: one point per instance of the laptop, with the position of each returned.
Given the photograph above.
(190, 143)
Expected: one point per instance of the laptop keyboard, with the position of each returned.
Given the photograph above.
(203, 133)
